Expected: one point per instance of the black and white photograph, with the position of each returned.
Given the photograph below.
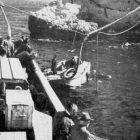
(69, 69)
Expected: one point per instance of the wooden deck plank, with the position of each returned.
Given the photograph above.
(16, 68)
(48, 89)
(5, 69)
(42, 126)
(13, 136)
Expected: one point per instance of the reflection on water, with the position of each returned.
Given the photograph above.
(116, 106)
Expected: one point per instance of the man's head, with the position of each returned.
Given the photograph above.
(73, 109)
(8, 37)
(75, 59)
(26, 40)
(84, 119)
(55, 56)
(33, 55)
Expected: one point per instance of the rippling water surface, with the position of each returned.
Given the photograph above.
(116, 106)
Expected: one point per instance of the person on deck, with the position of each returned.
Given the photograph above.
(2, 48)
(9, 46)
(79, 130)
(54, 64)
(26, 59)
(72, 63)
(18, 44)
(63, 122)
(24, 46)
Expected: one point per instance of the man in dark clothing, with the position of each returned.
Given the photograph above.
(24, 46)
(53, 66)
(2, 48)
(80, 132)
(72, 63)
(63, 121)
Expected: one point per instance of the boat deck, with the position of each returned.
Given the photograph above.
(13, 136)
(11, 69)
(42, 126)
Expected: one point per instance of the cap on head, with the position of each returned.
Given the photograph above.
(26, 39)
(33, 55)
(8, 36)
(73, 107)
(85, 117)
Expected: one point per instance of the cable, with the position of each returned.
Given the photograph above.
(6, 5)
(109, 34)
(97, 60)
(108, 25)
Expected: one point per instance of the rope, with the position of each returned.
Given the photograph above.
(104, 27)
(6, 5)
(108, 25)
(97, 62)
(30, 13)
(109, 34)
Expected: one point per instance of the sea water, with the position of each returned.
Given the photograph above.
(114, 103)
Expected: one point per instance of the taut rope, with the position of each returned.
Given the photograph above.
(104, 27)
(109, 34)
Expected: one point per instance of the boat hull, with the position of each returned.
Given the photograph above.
(100, 11)
(79, 78)
(41, 29)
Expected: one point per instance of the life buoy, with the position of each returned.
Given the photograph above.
(70, 73)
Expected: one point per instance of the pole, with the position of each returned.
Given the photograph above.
(7, 22)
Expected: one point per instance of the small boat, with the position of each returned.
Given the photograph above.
(99, 11)
(70, 74)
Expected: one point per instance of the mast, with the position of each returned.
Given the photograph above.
(7, 22)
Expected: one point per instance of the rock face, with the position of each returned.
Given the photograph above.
(106, 11)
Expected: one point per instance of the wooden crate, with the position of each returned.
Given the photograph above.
(13, 136)
(19, 109)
